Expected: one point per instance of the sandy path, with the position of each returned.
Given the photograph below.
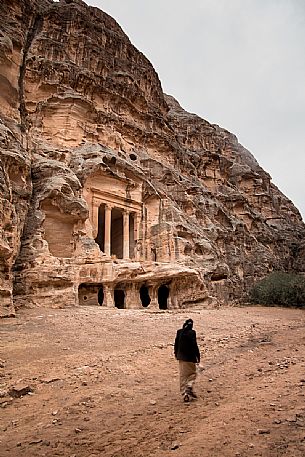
(105, 383)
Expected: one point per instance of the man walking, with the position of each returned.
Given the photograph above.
(187, 352)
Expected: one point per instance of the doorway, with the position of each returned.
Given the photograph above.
(119, 298)
(144, 296)
(100, 296)
(163, 294)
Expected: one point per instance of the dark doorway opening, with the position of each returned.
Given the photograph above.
(117, 233)
(131, 235)
(144, 295)
(163, 294)
(101, 227)
(119, 298)
(100, 296)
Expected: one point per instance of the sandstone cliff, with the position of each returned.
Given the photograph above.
(111, 193)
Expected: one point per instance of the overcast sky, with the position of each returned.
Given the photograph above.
(237, 63)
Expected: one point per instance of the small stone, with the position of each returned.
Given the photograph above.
(175, 446)
(54, 413)
(77, 430)
(46, 443)
(20, 390)
(35, 441)
(152, 402)
(49, 380)
(5, 401)
(263, 431)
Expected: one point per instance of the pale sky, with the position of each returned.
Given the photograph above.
(236, 63)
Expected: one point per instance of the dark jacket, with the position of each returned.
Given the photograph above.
(186, 347)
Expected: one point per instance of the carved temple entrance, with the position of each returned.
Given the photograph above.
(116, 233)
(116, 226)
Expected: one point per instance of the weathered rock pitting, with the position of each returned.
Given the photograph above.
(111, 193)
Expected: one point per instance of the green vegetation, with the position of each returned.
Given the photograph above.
(279, 289)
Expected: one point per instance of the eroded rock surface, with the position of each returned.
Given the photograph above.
(111, 193)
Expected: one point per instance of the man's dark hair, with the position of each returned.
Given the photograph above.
(188, 324)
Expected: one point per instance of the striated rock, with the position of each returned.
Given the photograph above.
(112, 194)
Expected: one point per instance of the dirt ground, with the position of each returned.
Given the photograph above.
(90, 381)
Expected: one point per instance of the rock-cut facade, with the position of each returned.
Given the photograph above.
(110, 193)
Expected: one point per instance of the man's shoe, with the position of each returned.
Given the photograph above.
(192, 394)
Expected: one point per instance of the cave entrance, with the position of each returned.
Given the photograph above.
(163, 294)
(90, 294)
(144, 296)
(119, 298)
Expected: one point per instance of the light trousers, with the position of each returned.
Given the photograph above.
(187, 371)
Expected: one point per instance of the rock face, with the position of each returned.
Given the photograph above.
(111, 193)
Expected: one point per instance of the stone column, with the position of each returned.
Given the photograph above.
(132, 297)
(108, 297)
(107, 240)
(137, 236)
(135, 226)
(126, 234)
(153, 293)
(94, 215)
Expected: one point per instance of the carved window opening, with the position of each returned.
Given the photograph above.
(188, 250)
(163, 294)
(153, 251)
(198, 250)
(144, 296)
(90, 294)
(119, 298)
